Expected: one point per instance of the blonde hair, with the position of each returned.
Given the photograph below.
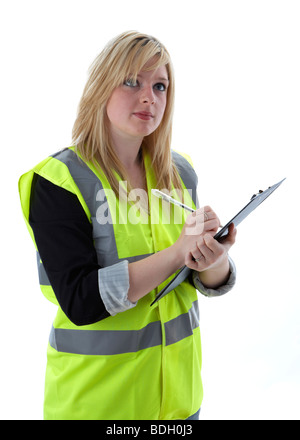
(124, 57)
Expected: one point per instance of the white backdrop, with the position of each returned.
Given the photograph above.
(237, 114)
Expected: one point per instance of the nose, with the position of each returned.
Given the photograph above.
(147, 96)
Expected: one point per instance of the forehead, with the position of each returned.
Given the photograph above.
(152, 66)
(160, 72)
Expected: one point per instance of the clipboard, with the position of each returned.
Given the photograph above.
(255, 201)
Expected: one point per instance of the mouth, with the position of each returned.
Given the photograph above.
(145, 116)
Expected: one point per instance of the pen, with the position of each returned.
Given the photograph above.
(169, 199)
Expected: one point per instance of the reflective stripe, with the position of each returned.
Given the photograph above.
(87, 182)
(43, 277)
(109, 342)
(187, 174)
(89, 185)
(105, 342)
(182, 326)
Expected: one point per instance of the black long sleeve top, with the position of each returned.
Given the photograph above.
(64, 238)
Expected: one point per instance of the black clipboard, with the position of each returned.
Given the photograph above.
(255, 201)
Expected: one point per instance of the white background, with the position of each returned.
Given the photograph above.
(237, 114)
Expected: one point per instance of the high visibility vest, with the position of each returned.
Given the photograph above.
(145, 362)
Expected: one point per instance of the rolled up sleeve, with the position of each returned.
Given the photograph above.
(113, 287)
(222, 289)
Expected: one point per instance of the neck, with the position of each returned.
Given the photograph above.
(127, 149)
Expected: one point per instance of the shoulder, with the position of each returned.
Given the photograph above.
(64, 169)
(184, 166)
(182, 158)
(50, 202)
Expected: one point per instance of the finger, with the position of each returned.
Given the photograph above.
(212, 225)
(229, 239)
(196, 254)
(206, 213)
(199, 257)
(207, 208)
(211, 243)
(211, 251)
(202, 215)
(200, 227)
(232, 231)
(190, 262)
(205, 250)
(215, 248)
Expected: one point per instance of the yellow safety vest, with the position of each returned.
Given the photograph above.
(143, 363)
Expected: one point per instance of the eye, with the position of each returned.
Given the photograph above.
(160, 86)
(131, 82)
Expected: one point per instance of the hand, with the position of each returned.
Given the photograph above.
(209, 253)
(202, 222)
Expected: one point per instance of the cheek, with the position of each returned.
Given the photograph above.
(114, 109)
(162, 108)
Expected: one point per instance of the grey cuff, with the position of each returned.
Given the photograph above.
(222, 289)
(113, 284)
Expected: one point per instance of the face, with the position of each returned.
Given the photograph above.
(136, 109)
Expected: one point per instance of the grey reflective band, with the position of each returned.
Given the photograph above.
(111, 342)
(105, 342)
(43, 277)
(182, 326)
(187, 174)
(89, 185)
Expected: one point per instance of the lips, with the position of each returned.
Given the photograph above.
(145, 116)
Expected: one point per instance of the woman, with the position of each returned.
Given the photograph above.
(106, 248)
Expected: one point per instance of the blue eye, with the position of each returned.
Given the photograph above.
(130, 83)
(160, 86)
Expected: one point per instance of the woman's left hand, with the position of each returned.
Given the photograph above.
(209, 253)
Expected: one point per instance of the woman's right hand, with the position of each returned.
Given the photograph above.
(201, 222)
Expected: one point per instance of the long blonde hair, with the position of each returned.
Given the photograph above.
(124, 56)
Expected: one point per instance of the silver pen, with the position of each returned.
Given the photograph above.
(169, 199)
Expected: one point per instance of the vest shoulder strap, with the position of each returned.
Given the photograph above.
(187, 174)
